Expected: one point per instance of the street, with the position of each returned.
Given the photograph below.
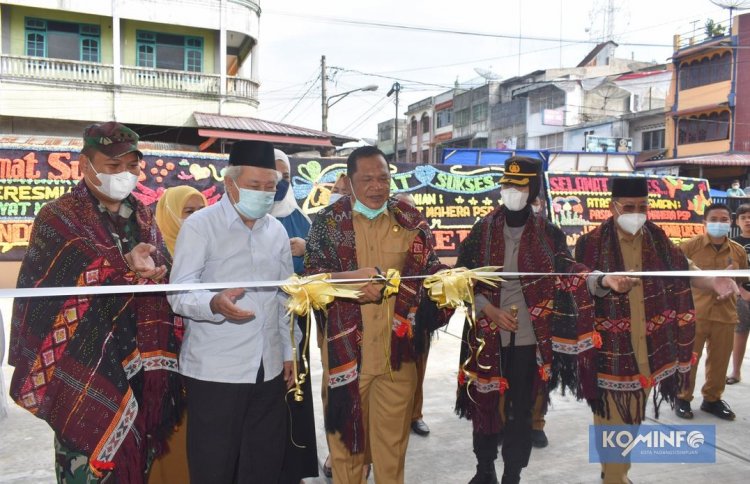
(445, 456)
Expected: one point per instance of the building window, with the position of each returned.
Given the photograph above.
(425, 156)
(479, 113)
(706, 127)
(546, 98)
(653, 140)
(701, 72)
(62, 40)
(462, 118)
(169, 51)
(425, 124)
(552, 142)
(413, 126)
(443, 118)
(385, 132)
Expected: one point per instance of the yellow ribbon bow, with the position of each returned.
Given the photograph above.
(453, 288)
(391, 282)
(305, 295)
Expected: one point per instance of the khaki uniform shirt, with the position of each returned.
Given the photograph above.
(382, 243)
(707, 257)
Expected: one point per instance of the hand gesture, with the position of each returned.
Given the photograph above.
(621, 284)
(288, 374)
(224, 303)
(501, 317)
(372, 292)
(140, 261)
(298, 245)
(725, 287)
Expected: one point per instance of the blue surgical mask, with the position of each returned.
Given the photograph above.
(253, 204)
(368, 212)
(281, 188)
(718, 229)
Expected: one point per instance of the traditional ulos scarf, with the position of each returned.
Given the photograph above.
(100, 370)
(331, 248)
(561, 312)
(670, 323)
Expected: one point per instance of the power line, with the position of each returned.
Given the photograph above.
(439, 30)
(300, 99)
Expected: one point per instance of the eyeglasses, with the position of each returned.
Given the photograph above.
(631, 208)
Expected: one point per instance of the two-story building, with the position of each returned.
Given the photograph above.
(708, 119)
(176, 71)
(65, 64)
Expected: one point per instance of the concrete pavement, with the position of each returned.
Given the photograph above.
(445, 455)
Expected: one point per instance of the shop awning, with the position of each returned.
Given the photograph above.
(244, 128)
(718, 159)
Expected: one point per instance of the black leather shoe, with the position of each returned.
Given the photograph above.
(484, 477)
(682, 409)
(718, 408)
(539, 439)
(420, 428)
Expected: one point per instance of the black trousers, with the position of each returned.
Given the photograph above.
(519, 366)
(520, 370)
(235, 431)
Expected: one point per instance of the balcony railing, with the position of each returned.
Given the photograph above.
(92, 73)
(55, 69)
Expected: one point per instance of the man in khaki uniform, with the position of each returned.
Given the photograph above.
(644, 345)
(715, 319)
(368, 353)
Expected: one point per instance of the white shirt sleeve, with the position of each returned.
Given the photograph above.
(593, 286)
(191, 252)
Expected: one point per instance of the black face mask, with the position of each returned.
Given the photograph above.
(281, 188)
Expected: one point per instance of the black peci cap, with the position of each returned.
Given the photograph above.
(252, 153)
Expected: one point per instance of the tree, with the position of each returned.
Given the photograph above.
(713, 29)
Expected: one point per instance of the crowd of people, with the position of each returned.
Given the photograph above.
(194, 386)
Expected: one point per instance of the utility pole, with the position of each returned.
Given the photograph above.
(395, 90)
(324, 99)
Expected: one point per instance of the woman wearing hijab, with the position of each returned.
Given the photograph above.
(301, 458)
(287, 211)
(175, 205)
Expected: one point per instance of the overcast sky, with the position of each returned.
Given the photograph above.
(295, 33)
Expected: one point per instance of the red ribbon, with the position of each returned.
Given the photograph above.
(402, 329)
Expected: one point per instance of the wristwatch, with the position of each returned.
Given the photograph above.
(600, 280)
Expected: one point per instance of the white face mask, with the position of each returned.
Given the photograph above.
(117, 186)
(631, 222)
(334, 198)
(513, 198)
(536, 208)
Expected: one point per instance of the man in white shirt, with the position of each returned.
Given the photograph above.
(237, 353)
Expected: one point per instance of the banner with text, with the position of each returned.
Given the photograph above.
(579, 202)
(452, 198)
